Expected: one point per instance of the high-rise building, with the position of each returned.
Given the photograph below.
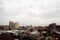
(16, 25)
(11, 25)
(52, 26)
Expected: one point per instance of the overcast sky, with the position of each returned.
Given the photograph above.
(30, 12)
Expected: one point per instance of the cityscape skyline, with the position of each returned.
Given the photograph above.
(30, 12)
(18, 24)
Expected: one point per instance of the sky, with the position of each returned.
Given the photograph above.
(30, 12)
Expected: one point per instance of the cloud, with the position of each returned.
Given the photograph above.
(30, 12)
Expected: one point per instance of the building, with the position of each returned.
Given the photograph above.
(16, 25)
(58, 28)
(11, 25)
(52, 26)
(4, 27)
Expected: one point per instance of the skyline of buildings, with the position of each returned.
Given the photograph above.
(29, 19)
(52, 31)
(15, 25)
(18, 23)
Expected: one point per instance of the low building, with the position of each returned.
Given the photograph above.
(4, 27)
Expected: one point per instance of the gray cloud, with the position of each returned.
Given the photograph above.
(30, 12)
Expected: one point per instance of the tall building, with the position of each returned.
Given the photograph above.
(52, 26)
(11, 25)
(16, 25)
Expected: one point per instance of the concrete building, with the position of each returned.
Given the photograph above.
(52, 26)
(58, 28)
(16, 25)
(4, 27)
(11, 25)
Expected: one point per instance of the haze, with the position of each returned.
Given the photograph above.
(30, 12)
